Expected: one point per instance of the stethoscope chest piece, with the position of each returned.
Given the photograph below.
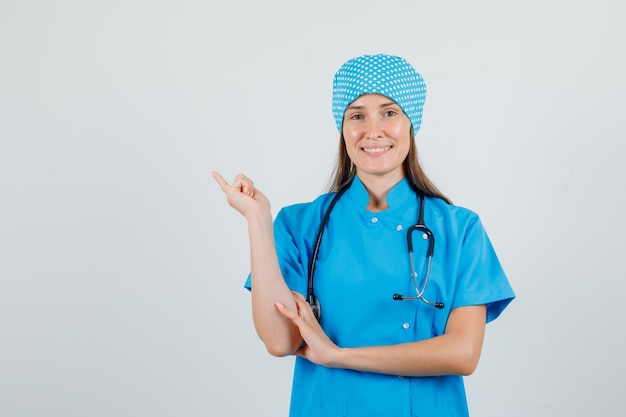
(315, 306)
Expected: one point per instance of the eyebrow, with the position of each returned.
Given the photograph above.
(389, 103)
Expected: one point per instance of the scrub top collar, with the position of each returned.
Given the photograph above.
(399, 194)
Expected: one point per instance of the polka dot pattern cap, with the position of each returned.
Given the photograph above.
(388, 75)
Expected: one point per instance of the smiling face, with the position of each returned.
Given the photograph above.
(377, 135)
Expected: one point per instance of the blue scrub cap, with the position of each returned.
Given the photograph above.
(388, 75)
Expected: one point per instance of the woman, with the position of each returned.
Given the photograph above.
(396, 330)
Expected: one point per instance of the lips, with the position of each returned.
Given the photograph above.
(376, 150)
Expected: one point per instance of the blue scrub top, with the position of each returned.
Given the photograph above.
(363, 260)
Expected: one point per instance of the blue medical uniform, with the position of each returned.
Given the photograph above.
(363, 260)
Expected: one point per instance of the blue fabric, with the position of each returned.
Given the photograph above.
(388, 75)
(363, 260)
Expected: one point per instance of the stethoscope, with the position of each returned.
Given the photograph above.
(420, 226)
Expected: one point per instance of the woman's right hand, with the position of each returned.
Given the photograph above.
(241, 194)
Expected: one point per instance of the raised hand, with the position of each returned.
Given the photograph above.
(242, 195)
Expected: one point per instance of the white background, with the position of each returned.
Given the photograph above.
(121, 265)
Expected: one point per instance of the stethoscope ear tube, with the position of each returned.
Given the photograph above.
(427, 234)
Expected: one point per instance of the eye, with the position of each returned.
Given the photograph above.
(390, 113)
(356, 116)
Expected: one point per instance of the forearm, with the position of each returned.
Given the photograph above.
(430, 357)
(454, 353)
(278, 334)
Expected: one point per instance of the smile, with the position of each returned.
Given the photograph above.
(376, 151)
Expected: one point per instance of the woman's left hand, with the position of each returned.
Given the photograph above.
(317, 347)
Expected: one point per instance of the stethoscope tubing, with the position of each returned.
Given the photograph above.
(420, 226)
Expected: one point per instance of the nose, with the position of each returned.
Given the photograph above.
(373, 129)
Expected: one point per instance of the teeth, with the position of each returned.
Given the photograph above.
(377, 150)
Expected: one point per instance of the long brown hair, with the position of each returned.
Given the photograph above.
(344, 172)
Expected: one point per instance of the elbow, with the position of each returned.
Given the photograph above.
(279, 350)
(467, 369)
(279, 340)
(284, 345)
(468, 361)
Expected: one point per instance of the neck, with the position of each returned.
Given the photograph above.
(378, 187)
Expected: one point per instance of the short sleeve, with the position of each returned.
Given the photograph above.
(480, 277)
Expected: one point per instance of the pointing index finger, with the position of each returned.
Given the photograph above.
(221, 181)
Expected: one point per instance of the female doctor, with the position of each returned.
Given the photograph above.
(397, 328)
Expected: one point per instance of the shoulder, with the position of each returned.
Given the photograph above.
(305, 213)
(315, 205)
(441, 208)
(452, 217)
